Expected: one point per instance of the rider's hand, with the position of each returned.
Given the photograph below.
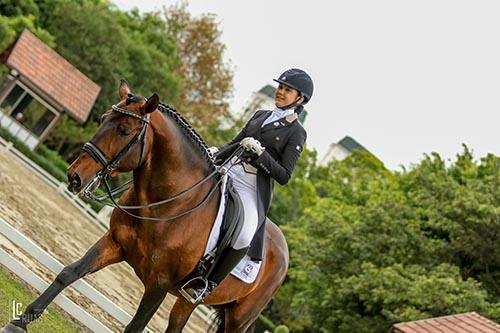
(252, 145)
(212, 150)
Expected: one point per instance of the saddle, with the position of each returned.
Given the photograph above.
(231, 225)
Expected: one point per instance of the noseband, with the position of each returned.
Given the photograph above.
(96, 153)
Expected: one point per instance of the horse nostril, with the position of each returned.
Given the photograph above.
(74, 182)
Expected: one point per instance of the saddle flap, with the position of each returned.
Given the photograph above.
(232, 222)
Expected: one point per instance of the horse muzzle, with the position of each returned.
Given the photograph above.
(74, 182)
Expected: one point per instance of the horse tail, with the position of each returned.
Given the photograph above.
(218, 320)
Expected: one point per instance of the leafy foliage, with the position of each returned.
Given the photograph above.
(170, 53)
(374, 247)
(207, 78)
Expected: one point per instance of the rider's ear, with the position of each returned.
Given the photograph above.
(124, 90)
(300, 100)
(151, 104)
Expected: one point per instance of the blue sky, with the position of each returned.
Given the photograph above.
(403, 78)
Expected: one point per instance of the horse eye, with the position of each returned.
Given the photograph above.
(123, 131)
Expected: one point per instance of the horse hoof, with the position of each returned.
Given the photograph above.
(10, 328)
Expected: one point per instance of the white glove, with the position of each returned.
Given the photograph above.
(252, 145)
(212, 150)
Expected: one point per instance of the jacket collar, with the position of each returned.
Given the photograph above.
(279, 123)
(292, 117)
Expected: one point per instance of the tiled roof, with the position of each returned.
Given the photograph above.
(350, 144)
(51, 74)
(470, 322)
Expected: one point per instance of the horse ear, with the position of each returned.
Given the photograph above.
(124, 90)
(151, 104)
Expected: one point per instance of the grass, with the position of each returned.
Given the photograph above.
(53, 319)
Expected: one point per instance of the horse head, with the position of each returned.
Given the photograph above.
(120, 143)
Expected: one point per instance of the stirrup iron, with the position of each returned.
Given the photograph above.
(193, 282)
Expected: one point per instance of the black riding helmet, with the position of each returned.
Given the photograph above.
(299, 80)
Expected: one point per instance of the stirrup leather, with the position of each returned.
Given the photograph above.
(193, 284)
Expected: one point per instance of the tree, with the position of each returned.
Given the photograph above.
(207, 78)
(11, 27)
(111, 46)
(18, 8)
(175, 55)
(378, 247)
(459, 204)
(291, 201)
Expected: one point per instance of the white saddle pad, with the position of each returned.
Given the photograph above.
(247, 270)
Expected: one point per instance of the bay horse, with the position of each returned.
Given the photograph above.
(166, 157)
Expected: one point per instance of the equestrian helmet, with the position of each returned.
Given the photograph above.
(299, 80)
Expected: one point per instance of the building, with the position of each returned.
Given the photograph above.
(264, 100)
(470, 322)
(260, 100)
(40, 87)
(340, 150)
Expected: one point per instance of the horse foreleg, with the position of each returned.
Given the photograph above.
(179, 315)
(150, 302)
(103, 253)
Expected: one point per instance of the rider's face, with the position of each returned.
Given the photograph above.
(285, 96)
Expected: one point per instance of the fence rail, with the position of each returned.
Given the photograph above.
(56, 267)
(65, 303)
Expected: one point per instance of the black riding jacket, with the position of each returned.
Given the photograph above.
(284, 141)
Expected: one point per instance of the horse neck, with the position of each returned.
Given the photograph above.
(172, 165)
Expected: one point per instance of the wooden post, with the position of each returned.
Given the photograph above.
(49, 128)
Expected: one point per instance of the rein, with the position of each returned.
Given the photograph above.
(102, 176)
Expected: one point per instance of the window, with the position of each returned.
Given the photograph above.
(11, 99)
(27, 110)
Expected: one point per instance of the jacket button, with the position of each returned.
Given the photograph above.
(277, 138)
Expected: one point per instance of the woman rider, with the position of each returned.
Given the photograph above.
(273, 142)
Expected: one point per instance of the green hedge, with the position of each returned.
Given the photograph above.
(53, 156)
(47, 164)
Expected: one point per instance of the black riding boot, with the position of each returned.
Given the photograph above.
(227, 261)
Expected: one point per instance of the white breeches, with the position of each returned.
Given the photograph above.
(246, 186)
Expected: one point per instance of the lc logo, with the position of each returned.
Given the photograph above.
(16, 310)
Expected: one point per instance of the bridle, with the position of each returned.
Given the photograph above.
(96, 153)
(109, 166)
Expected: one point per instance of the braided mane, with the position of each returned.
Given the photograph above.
(189, 131)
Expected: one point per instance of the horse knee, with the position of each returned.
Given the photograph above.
(77, 269)
(67, 275)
